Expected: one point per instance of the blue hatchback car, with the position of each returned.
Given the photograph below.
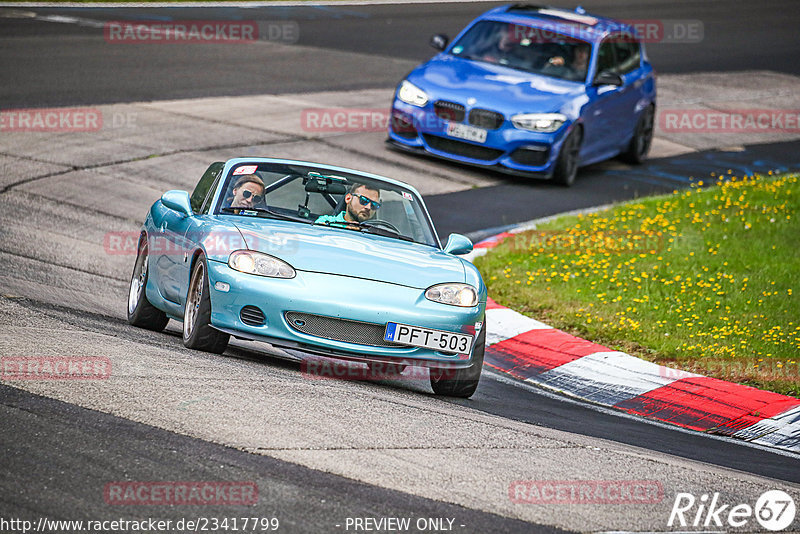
(530, 91)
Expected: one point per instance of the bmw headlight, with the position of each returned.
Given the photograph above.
(411, 94)
(454, 294)
(250, 262)
(539, 122)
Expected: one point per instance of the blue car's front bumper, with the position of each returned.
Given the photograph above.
(507, 148)
(365, 306)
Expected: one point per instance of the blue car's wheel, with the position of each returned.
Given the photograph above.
(197, 330)
(140, 312)
(642, 137)
(567, 164)
(461, 382)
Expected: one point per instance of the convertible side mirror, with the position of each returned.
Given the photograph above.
(178, 201)
(439, 41)
(607, 78)
(458, 244)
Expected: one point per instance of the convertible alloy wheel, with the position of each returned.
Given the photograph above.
(567, 164)
(642, 137)
(197, 330)
(461, 382)
(140, 312)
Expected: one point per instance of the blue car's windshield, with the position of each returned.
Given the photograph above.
(525, 48)
(335, 199)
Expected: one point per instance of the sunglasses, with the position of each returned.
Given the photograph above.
(367, 202)
(256, 198)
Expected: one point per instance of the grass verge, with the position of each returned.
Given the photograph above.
(702, 280)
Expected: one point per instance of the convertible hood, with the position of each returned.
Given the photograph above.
(352, 253)
(495, 87)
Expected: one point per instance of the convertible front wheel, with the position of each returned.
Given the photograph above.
(140, 312)
(197, 330)
(461, 382)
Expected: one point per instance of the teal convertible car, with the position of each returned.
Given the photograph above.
(327, 260)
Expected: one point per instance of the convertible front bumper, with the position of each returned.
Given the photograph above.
(334, 315)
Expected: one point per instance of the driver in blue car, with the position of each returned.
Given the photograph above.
(361, 204)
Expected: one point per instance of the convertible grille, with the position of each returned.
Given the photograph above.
(459, 148)
(449, 111)
(252, 316)
(484, 118)
(339, 329)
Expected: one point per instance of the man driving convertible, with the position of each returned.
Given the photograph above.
(361, 204)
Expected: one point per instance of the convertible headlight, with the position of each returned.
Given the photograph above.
(251, 262)
(454, 294)
(411, 94)
(539, 122)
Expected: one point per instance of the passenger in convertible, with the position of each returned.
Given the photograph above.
(361, 204)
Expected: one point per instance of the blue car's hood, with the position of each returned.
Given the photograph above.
(495, 87)
(352, 253)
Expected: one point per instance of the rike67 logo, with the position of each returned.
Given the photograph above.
(774, 510)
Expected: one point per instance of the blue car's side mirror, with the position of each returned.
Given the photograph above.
(458, 244)
(178, 201)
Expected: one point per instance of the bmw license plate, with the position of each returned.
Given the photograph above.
(464, 131)
(428, 338)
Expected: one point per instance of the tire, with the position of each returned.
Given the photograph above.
(642, 138)
(567, 164)
(197, 330)
(461, 382)
(140, 312)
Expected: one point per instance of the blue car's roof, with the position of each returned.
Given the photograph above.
(590, 27)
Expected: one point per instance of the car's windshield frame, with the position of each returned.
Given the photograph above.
(288, 172)
(553, 37)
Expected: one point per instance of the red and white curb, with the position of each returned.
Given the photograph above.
(534, 352)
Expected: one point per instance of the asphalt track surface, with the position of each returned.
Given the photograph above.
(53, 65)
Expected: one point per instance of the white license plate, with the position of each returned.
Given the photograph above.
(428, 338)
(464, 131)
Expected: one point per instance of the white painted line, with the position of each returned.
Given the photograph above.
(505, 323)
(607, 377)
(476, 253)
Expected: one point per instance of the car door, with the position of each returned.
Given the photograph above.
(598, 116)
(612, 106)
(628, 65)
(173, 240)
(195, 228)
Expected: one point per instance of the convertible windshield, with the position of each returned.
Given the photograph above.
(525, 48)
(320, 196)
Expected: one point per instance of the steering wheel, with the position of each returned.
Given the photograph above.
(381, 222)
